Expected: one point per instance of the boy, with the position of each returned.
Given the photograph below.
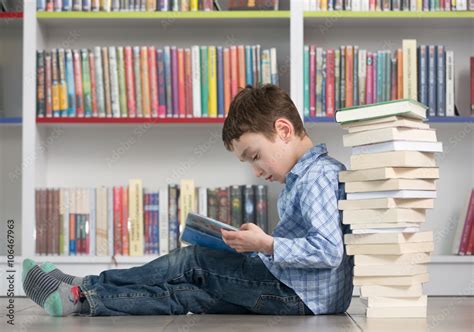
(301, 269)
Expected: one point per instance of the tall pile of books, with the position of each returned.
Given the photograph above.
(390, 184)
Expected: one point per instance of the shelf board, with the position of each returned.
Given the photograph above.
(390, 14)
(11, 121)
(201, 15)
(11, 15)
(11, 19)
(452, 119)
(127, 121)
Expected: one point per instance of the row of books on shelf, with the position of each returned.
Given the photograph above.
(148, 82)
(388, 5)
(463, 243)
(124, 5)
(131, 220)
(349, 76)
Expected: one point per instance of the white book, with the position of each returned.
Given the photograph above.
(356, 6)
(259, 63)
(390, 270)
(461, 5)
(389, 302)
(196, 74)
(365, 7)
(106, 5)
(450, 73)
(101, 229)
(397, 312)
(398, 146)
(393, 194)
(114, 84)
(274, 66)
(164, 221)
(413, 258)
(99, 79)
(386, 225)
(415, 290)
(266, 70)
(389, 134)
(202, 201)
(110, 221)
(386, 230)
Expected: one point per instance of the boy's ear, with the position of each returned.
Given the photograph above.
(284, 129)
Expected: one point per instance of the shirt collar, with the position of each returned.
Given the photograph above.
(308, 158)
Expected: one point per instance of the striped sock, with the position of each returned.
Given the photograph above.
(56, 297)
(57, 274)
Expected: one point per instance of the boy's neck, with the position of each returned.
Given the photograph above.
(302, 146)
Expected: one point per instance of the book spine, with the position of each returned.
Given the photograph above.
(337, 79)
(261, 214)
(204, 81)
(164, 221)
(450, 83)
(249, 204)
(114, 83)
(306, 75)
(349, 76)
(330, 83)
(370, 76)
(380, 72)
(99, 82)
(71, 90)
(234, 73)
(468, 225)
(255, 78)
(110, 221)
(432, 80)
(236, 206)
(227, 80)
(63, 101)
(400, 74)
(78, 83)
(343, 76)
(223, 206)
(167, 67)
(55, 83)
(181, 84)
(188, 82)
(107, 89)
(241, 65)
(362, 76)
(93, 84)
(147, 221)
(393, 79)
(161, 84)
(130, 84)
(117, 221)
(212, 112)
(388, 75)
(323, 85)
(152, 69)
(441, 81)
(409, 69)
(319, 82)
(196, 75)
(312, 81)
(212, 203)
(220, 82)
(40, 84)
(144, 72)
(125, 220)
(248, 65)
(86, 83)
(122, 85)
(173, 217)
(422, 75)
(274, 66)
(138, 82)
(175, 81)
(355, 76)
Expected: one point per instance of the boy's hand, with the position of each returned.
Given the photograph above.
(250, 237)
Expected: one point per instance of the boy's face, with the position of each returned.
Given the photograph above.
(270, 160)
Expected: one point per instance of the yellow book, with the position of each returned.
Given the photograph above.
(145, 83)
(187, 200)
(324, 5)
(135, 212)
(409, 69)
(212, 82)
(194, 5)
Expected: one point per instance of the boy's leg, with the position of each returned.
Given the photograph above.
(195, 279)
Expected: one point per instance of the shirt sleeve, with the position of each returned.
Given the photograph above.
(322, 247)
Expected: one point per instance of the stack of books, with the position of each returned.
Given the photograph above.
(390, 184)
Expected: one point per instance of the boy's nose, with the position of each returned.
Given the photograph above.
(258, 172)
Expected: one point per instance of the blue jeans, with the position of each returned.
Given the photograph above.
(192, 279)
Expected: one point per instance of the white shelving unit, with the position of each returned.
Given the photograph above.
(67, 155)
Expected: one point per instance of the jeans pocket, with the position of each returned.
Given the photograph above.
(279, 305)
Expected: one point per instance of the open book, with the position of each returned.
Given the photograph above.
(206, 232)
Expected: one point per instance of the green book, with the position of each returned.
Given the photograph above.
(204, 82)
(86, 83)
(406, 108)
(306, 80)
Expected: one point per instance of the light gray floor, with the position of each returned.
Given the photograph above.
(444, 314)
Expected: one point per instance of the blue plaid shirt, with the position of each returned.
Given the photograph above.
(308, 250)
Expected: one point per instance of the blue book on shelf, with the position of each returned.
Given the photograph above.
(248, 65)
(71, 90)
(220, 82)
(168, 89)
(432, 81)
(441, 81)
(204, 231)
(422, 75)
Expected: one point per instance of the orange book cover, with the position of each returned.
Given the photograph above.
(227, 92)
(153, 81)
(234, 71)
(188, 74)
(145, 82)
(181, 84)
(399, 74)
(349, 75)
(241, 61)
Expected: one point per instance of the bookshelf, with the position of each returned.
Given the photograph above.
(162, 154)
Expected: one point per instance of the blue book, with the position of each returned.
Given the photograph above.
(306, 80)
(422, 75)
(248, 65)
(71, 90)
(220, 82)
(160, 67)
(432, 81)
(206, 232)
(67, 5)
(441, 84)
(167, 67)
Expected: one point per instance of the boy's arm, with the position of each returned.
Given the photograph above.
(322, 247)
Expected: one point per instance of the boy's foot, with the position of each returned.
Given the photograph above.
(56, 297)
(57, 274)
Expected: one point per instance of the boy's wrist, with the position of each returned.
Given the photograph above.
(267, 245)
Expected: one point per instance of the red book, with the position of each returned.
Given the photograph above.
(330, 59)
(234, 72)
(117, 221)
(312, 81)
(181, 84)
(467, 230)
(125, 230)
(130, 82)
(153, 81)
(93, 85)
(78, 83)
(349, 75)
(472, 84)
(188, 76)
(241, 62)
(227, 90)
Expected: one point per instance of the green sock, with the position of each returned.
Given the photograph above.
(56, 297)
(56, 273)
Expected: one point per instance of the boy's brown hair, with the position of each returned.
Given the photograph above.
(255, 110)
